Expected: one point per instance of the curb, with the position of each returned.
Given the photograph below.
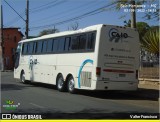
(147, 79)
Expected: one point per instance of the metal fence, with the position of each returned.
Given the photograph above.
(149, 71)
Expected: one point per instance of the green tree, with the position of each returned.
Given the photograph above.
(132, 3)
(153, 15)
(127, 23)
(151, 41)
(48, 31)
(142, 28)
(117, 4)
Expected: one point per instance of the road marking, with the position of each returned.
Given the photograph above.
(39, 106)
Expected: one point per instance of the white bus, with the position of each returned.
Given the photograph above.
(99, 57)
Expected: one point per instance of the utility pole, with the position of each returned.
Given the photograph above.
(27, 20)
(54, 29)
(2, 43)
(133, 15)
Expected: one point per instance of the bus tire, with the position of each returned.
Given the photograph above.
(60, 83)
(71, 85)
(22, 77)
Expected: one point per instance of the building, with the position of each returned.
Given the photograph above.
(11, 37)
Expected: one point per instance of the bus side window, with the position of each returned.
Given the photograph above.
(67, 43)
(34, 47)
(49, 45)
(25, 48)
(61, 44)
(55, 45)
(91, 41)
(82, 42)
(75, 43)
(44, 47)
(30, 47)
(39, 48)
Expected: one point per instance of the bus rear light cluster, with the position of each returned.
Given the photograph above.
(98, 71)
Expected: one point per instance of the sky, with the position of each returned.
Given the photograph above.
(45, 14)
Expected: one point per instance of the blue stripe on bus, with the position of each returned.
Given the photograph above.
(80, 70)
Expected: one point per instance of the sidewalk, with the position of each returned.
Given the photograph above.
(148, 90)
(149, 85)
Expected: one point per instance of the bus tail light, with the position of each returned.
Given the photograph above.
(136, 74)
(98, 71)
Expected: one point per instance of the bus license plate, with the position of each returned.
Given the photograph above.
(122, 75)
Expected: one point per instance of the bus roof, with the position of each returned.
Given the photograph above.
(71, 32)
(87, 29)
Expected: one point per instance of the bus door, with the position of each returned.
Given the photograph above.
(33, 63)
(31, 68)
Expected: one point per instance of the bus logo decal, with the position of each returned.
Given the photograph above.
(80, 70)
(116, 36)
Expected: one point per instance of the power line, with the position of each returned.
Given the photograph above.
(43, 5)
(62, 22)
(74, 12)
(47, 7)
(66, 12)
(96, 11)
(16, 19)
(14, 10)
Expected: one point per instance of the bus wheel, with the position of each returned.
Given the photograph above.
(71, 85)
(23, 80)
(60, 83)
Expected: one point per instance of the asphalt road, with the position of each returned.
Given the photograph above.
(45, 99)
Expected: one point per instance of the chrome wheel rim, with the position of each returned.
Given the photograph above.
(60, 83)
(71, 85)
(23, 77)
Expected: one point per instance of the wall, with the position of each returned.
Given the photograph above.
(11, 37)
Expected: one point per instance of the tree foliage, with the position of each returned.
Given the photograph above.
(151, 41)
(153, 15)
(117, 5)
(48, 31)
(73, 26)
(142, 28)
(127, 23)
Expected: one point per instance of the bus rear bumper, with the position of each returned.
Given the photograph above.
(117, 85)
